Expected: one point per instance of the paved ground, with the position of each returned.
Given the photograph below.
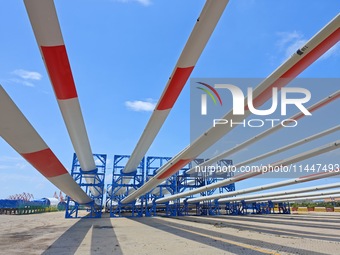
(50, 233)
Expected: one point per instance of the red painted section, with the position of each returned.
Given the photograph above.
(241, 177)
(175, 87)
(300, 66)
(45, 162)
(59, 70)
(174, 168)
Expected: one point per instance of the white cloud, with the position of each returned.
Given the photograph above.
(27, 75)
(18, 178)
(141, 106)
(290, 42)
(22, 82)
(10, 159)
(287, 37)
(21, 165)
(18, 166)
(294, 47)
(142, 2)
(8, 162)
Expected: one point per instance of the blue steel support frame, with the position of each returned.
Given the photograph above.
(283, 208)
(175, 184)
(236, 208)
(269, 208)
(242, 208)
(94, 209)
(212, 207)
(113, 201)
(189, 182)
(153, 163)
(263, 207)
(183, 182)
(178, 183)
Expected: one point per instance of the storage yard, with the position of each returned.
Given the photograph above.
(50, 233)
(268, 189)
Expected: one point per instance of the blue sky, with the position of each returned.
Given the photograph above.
(122, 53)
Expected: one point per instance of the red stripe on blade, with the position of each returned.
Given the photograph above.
(175, 87)
(173, 169)
(324, 103)
(245, 176)
(300, 66)
(318, 174)
(59, 70)
(316, 107)
(45, 162)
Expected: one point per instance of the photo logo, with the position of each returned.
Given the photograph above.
(204, 97)
(242, 103)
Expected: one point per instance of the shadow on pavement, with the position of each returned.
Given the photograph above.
(227, 242)
(247, 224)
(99, 234)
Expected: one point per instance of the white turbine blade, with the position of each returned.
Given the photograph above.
(196, 43)
(16, 130)
(314, 48)
(266, 133)
(46, 28)
(247, 162)
(284, 193)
